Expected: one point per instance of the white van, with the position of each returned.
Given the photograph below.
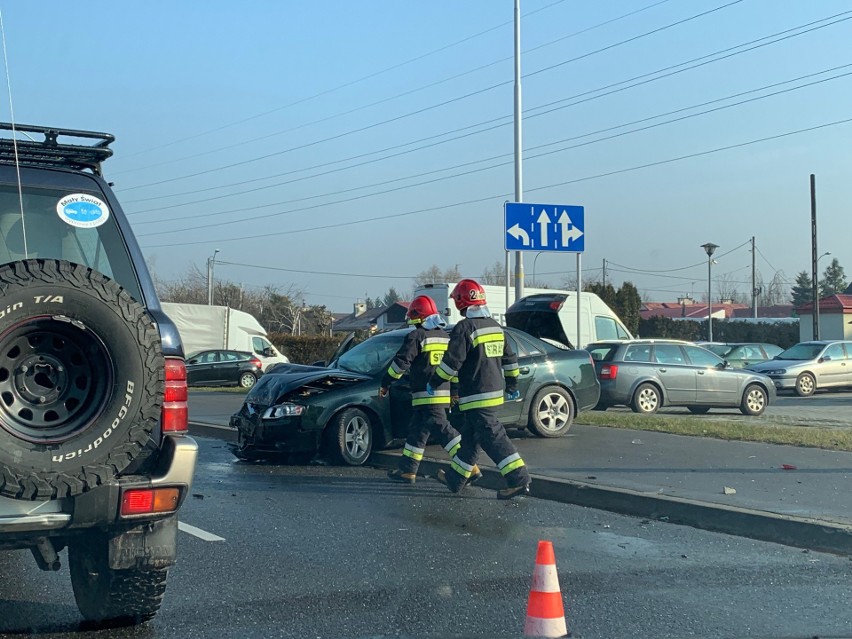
(547, 313)
(205, 327)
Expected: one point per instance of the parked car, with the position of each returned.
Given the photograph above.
(809, 366)
(649, 374)
(742, 354)
(298, 409)
(223, 368)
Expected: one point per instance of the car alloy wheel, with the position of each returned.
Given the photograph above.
(357, 436)
(646, 400)
(805, 385)
(247, 380)
(553, 412)
(754, 400)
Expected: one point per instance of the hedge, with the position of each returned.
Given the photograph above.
(305, 349)
(783, 334)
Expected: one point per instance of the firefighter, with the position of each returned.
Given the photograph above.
(481, 358)
(421, 351)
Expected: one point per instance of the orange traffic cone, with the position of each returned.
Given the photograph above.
(545, 613)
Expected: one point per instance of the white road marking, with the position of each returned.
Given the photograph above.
(197, 532)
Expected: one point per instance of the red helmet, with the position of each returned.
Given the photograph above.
(468, 293)
(420, 308)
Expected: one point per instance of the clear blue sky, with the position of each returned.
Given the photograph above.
(269, 76)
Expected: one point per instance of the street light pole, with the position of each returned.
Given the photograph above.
(709, 248)
(211, 261)
(519, 182)
(817, 298)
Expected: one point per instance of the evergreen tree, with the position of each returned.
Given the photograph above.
(802, 291)
(628, 303)
(833, 279)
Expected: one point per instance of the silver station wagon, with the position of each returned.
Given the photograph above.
(649, 374)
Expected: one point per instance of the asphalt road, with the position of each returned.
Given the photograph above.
(340, 552)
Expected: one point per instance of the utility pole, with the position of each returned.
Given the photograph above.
(604, 272)
(753, 280)
(519, 184)
(814, 258)
(211, 261)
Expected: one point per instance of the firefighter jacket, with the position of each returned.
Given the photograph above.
(479, 358)
(421, 351)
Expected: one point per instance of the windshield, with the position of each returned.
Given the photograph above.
(64, 225)
(372, 356)
(803, 351)
(719, 349)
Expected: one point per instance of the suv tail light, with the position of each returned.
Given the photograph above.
(256, 362)
(175, 418)
(147, 501)
(556, 305)
(609, 371)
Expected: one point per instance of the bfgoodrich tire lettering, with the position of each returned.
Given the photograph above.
(85, 442)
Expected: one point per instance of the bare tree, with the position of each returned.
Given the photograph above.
(435, 275)
(727, 288)
(495, 274)
(777, 291)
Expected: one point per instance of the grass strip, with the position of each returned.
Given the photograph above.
(757, 430)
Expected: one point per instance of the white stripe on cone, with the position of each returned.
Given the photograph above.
(545, 578)
(537, 627)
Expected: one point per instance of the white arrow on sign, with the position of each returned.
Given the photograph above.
(518, 233)
(542, 221)
(568, 235)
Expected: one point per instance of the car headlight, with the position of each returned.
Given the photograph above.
(777, 371)
(283, 410)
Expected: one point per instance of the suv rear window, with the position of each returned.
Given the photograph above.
(42, 233)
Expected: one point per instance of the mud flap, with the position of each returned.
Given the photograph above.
(152, 545)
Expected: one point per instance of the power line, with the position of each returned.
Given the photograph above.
(315, 272)
(387, 99)
(208, 215)
(505, 195)
(427, 108)
(334, 89)
(702, 59)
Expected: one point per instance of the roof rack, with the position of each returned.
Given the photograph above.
(51, 153)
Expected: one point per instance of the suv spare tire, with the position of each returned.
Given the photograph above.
(81, 379)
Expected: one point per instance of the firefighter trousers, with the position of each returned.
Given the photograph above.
(425, 422)
(483, 429)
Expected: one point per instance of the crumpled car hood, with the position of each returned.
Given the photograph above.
(300, 384)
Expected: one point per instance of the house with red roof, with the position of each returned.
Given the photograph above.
(835, 318)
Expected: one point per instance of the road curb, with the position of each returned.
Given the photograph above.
(800, 532)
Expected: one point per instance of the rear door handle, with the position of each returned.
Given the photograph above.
(700, 372)
(663, 370)
(525, 370)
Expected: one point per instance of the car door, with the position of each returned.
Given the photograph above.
(510, 412)
(676, 376)
(715, 385)
(201, 368)
(832, 368)
(228, 366)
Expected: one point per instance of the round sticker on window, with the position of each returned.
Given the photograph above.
(82, 210)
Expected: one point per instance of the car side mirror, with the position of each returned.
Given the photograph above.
(268, 352)
(192, 361)
(722, 365)
(825, 358)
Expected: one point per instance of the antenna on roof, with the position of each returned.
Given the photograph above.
(14, 137)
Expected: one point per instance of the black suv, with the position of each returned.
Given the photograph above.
(94, 454)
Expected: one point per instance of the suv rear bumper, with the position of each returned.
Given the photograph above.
(23, 522)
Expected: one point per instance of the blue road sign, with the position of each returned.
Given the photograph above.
(544, 227)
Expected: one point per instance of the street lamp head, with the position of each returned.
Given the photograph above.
(709, 248)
